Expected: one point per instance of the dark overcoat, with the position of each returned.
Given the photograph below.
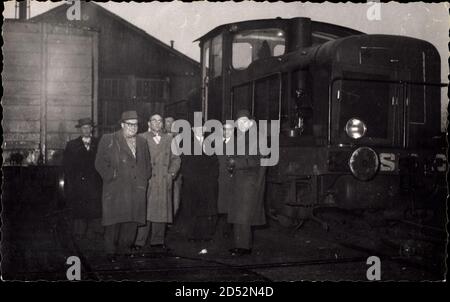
(200, 182)
(247, 204)
(125, 179)
(164, 164)
(225, 181)
(82, 183)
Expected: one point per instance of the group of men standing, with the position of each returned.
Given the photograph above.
(144, 184)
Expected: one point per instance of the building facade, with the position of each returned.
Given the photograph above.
(135, 70)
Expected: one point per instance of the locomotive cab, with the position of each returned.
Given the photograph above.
(241, 62)
(359, 114)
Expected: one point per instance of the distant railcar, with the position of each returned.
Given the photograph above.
(360, 114)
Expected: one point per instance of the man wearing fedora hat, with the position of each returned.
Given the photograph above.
(82, 183)
(165, 166)
(123, 161)
(198, 211)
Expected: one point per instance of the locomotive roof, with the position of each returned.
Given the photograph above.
(338, 30)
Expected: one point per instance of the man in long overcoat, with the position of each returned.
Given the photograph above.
(246, 208)
(178, 181)
(165, 166)
(200, 184)
(123, 161)
(225, 179)
(82, 183)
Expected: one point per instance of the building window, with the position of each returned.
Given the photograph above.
(112, 88)
(150, 90)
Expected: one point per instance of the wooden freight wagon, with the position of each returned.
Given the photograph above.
(50, 81)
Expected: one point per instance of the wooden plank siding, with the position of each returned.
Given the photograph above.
(128, 55)
(48, 81)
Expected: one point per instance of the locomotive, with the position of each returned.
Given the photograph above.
(360, 114)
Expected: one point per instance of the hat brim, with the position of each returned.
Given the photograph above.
(250, 117)
(131, 118)
(79, 126)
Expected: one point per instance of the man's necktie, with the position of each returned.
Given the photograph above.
(87, 143)
(157, 139)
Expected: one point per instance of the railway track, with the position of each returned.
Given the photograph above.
(396, 248)
(207, 266)
(186, 265)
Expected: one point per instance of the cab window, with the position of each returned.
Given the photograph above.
(205, 67)
(217, 56)
(251, 45)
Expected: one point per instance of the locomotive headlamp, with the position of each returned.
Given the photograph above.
(355, 128)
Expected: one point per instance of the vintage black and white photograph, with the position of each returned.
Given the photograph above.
(224, 141)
